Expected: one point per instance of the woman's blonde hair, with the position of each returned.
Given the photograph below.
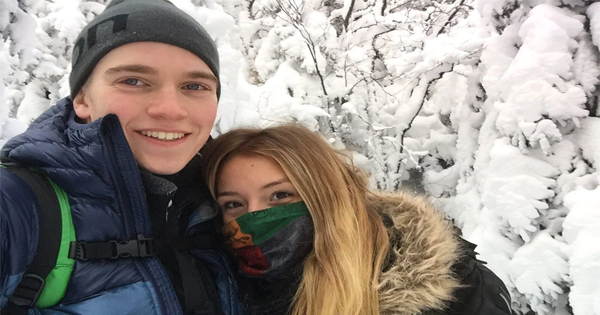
(350, 243)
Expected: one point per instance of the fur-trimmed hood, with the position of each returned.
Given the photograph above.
(418, 275)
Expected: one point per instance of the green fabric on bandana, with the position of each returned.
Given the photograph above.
(265, 223)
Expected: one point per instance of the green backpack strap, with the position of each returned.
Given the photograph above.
(45, 281)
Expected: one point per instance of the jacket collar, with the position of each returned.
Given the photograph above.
(88, 161)
(423, 248)
(55, 141)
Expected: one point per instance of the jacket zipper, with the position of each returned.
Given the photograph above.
(163, 289)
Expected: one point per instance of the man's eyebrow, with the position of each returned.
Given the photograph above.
(202, 75)
(132, 68)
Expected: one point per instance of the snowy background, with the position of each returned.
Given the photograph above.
(489, 106)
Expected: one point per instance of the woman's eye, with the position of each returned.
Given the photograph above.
(132, 81)
(281, 195)
(231, 205)
(194, 86)
(233, 209)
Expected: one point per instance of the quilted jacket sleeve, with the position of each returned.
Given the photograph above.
(18, 231)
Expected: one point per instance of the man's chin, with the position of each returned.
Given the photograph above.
(161, 169)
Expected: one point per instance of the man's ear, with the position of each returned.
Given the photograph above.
(83, 110)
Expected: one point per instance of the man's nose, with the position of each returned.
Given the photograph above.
(166, 104)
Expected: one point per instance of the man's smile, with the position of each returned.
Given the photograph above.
(161, 135)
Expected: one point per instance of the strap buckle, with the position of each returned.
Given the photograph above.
(28, 291)
(76, 251)
(141, 246)
(146, 246)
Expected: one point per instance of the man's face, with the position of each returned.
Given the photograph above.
(165, 98)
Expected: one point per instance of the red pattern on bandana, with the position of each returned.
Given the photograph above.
(252, 261)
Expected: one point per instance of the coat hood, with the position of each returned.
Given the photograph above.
(417, 275)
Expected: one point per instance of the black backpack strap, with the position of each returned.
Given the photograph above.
(50, 226)
(199, 293)
(199, 298)
(141, 246)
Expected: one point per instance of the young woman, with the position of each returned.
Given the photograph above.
(311, 239)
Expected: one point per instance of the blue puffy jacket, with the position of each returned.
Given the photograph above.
(94, 165)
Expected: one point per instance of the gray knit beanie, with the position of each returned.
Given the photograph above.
(129, 21)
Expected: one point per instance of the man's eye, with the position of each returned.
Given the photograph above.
(281, 195)
(194, 86)
(132, 81)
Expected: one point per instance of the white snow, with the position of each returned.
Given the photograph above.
(589, 140)
(581, 232)
(593, 12)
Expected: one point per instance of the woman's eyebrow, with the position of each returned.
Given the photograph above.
(269, 185)
(275, 183)
(227, 193)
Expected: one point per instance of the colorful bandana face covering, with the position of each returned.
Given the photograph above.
(271, 242)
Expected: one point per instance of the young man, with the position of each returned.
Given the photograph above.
(124, 147)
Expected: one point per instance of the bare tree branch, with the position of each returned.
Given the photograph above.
(422, 102)
(348, 15)
(296, 22)
(451, 17)
(250, 4)
(383, 7)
